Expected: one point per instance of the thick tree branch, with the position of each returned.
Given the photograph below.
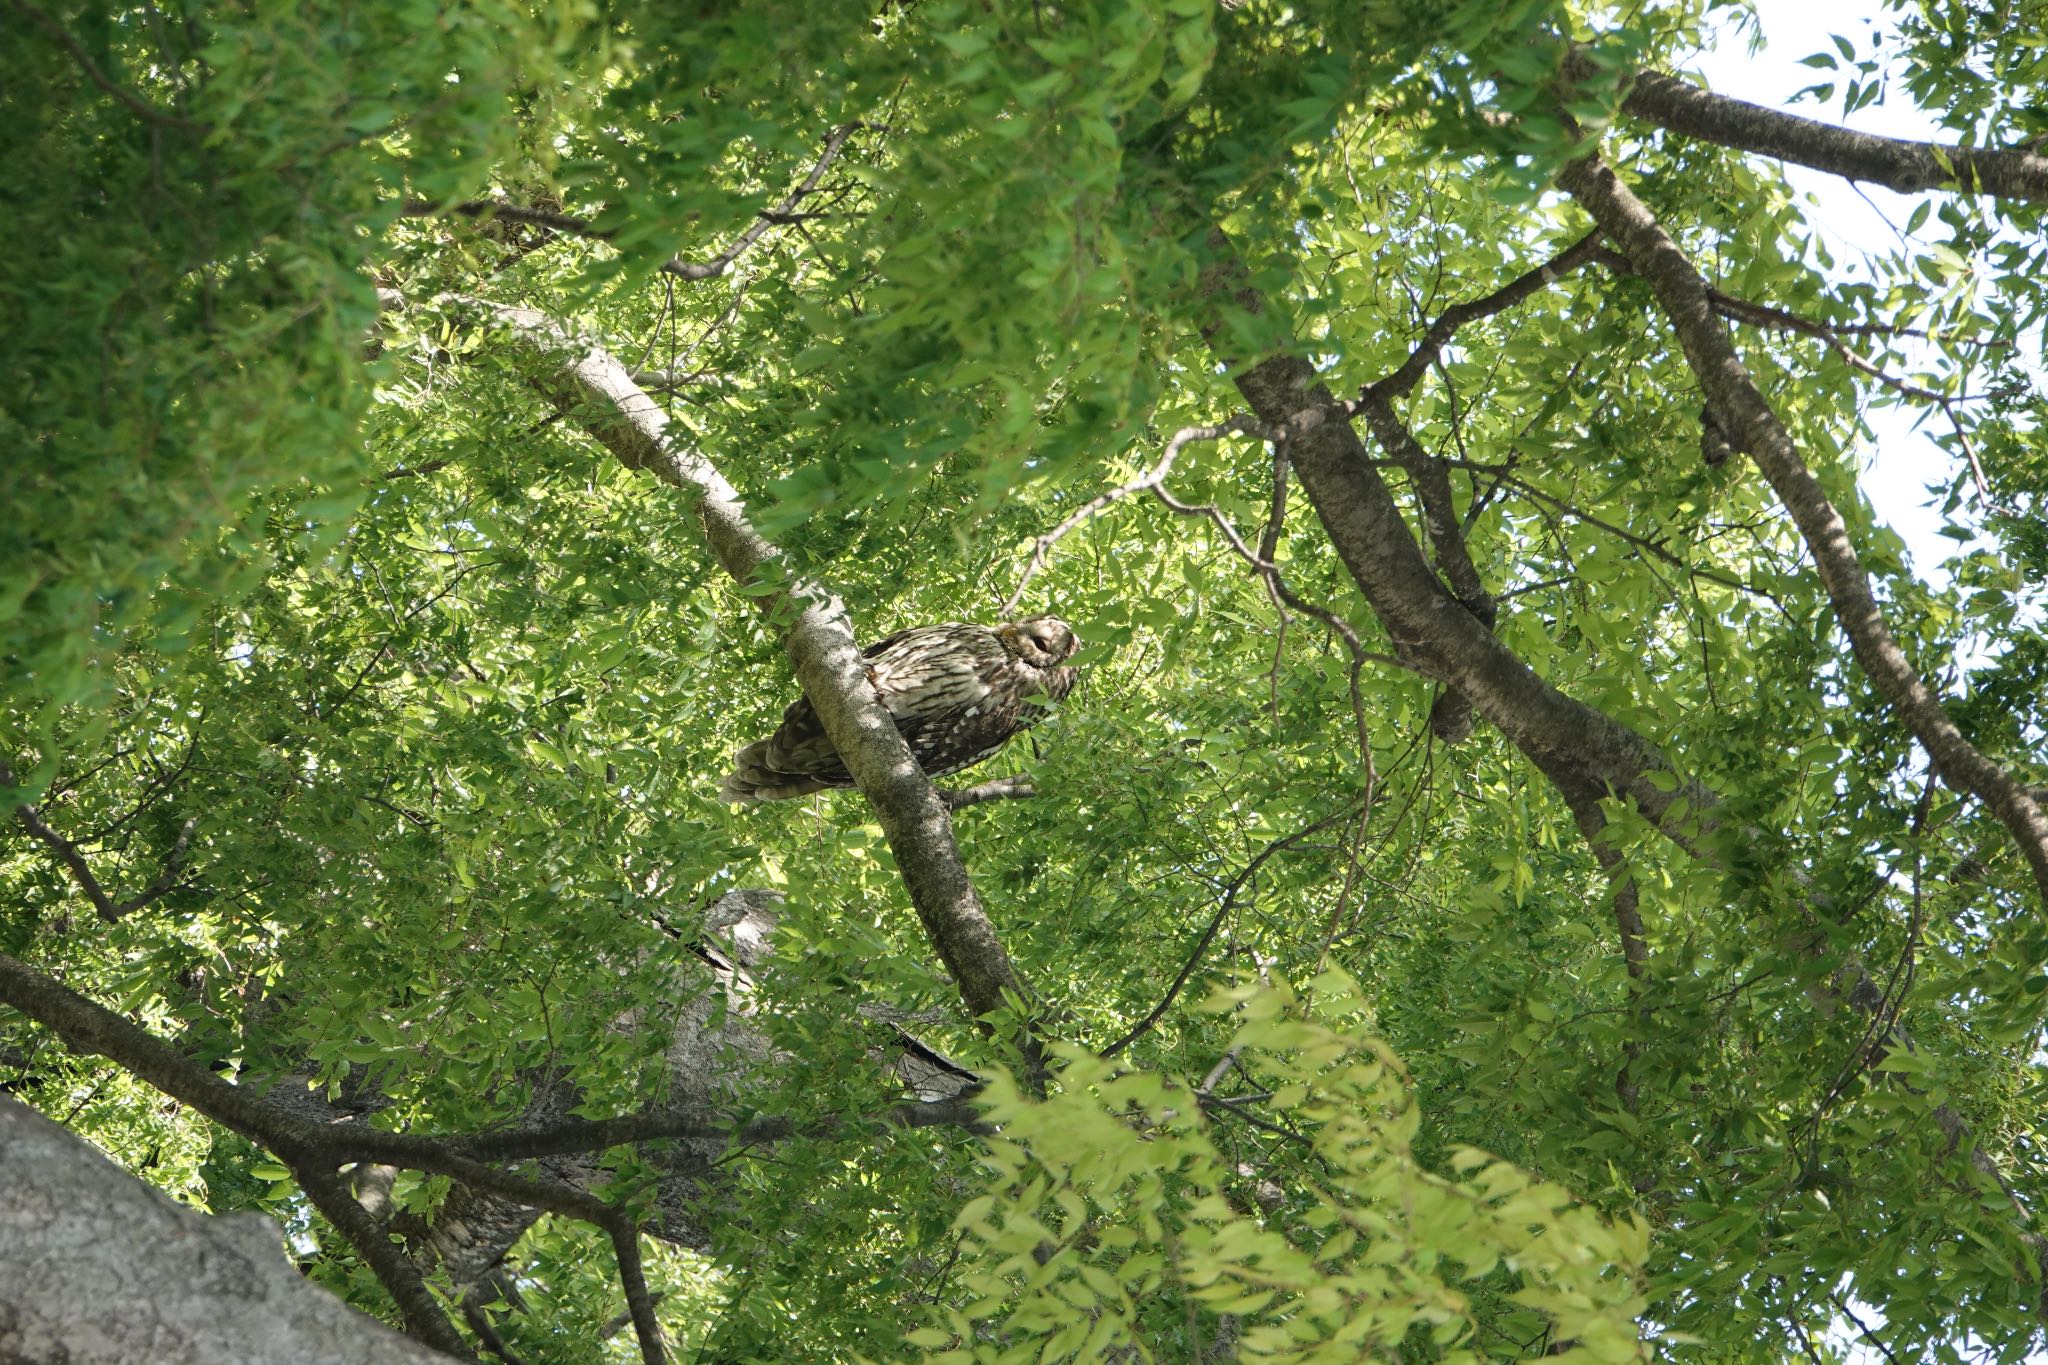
(90, 1029)
(594, 1135)
(586, 382)
(1896, 163)
(314, 1151)
(394, 1270)
(1451, 716)
(1581, 749)
(1742, 411)
(193, 1289)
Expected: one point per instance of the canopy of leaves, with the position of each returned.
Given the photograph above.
(388, 709)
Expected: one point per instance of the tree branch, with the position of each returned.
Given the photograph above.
(81, 871)
(1261, 559)
(1149, 481)
(999, 789)
(633, 1277)
(1742, 411)
(1405, 378)
(312, 1150)
(90, 1029)
(783, 213)
(191, 1286)
(1216, 921)
(1581, 749)
(1763, 315)
(127, 97)
(1896, 163)
(394, 1270)
(585, 382)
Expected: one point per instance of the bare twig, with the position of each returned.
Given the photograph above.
(1862, 1328)
(1284, 597)
(722, 262)
(1763, 315)
(1216, 921)
(1150, 479)
(999, 789)
(1504, 474)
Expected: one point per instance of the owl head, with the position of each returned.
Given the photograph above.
(1041, 641)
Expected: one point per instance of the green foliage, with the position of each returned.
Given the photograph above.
(1116, 1228)
(443, 693)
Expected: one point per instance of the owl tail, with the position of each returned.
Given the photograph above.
(752, 780)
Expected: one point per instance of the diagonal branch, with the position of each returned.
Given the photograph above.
(1741, 410)
(1446, 326)
(313, 1151)
(134, 102)
(1216, 921)
(1451, 715)
(96, 1265)
(1581, 749)
(91, 1029)
(1365, 526)
(393, 1269)
(585, 382)
(68, 853)
(781, 213)
(1150, 481)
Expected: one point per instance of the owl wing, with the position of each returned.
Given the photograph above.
(956, 694)
(935, 670)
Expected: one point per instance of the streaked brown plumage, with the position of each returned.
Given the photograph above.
(958, 692)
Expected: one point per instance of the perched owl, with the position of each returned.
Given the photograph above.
(957, 691)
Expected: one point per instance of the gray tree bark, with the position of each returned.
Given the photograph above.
(95, 1266)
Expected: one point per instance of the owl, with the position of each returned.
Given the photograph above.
(958, 692)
